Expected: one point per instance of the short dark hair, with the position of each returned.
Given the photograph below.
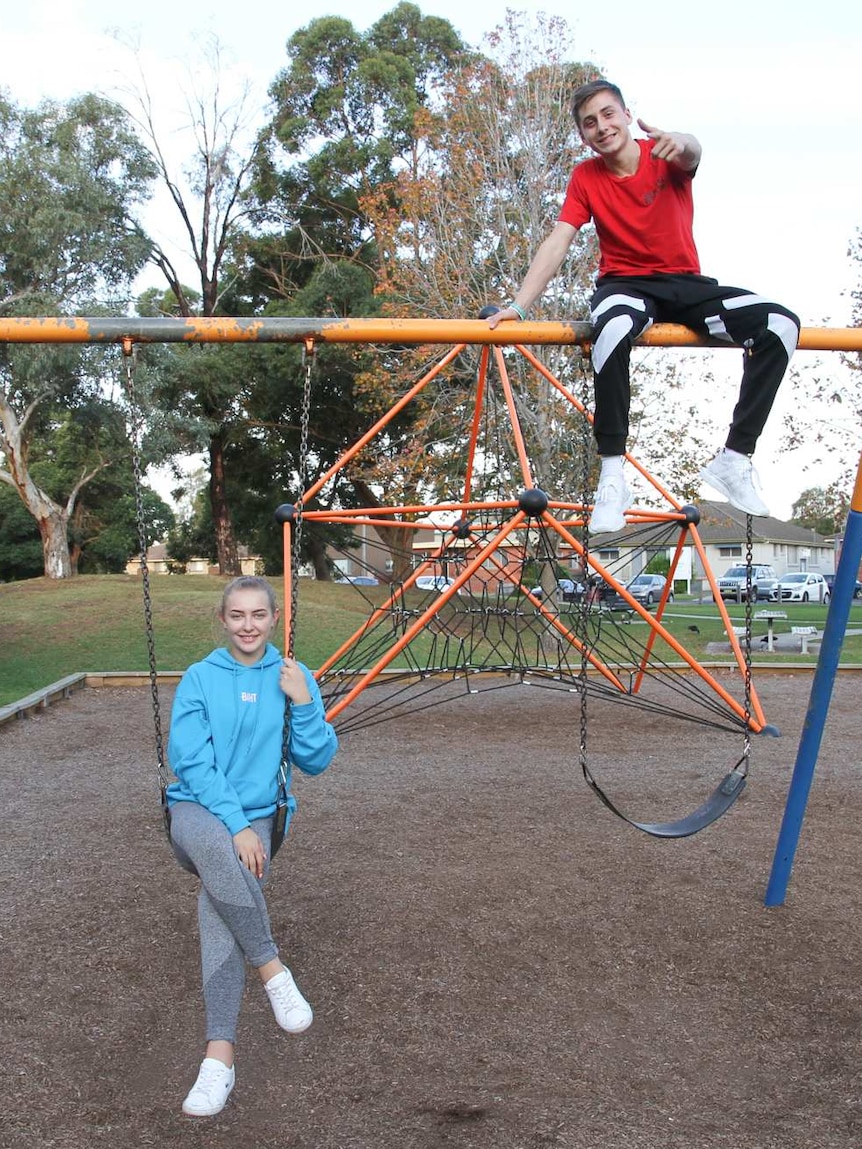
(587, 91)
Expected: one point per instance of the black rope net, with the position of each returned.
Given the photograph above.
(528, 618)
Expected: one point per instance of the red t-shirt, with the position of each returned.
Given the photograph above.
(644, 221)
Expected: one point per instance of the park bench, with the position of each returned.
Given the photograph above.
(804, 633)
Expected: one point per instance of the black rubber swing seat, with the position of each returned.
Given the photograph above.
(718, 803)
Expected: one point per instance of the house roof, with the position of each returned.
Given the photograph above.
(722, 523)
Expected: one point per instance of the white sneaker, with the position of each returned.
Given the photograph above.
(613, 499)
(292, 1011)
(735, 477)
(211, 1090)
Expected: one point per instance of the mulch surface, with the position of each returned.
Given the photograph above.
(494, 959)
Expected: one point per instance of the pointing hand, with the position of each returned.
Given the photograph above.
(669, 146)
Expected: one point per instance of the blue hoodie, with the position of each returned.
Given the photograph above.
(226, 734)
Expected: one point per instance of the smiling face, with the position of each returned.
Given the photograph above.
(249, 621)
(604, 126)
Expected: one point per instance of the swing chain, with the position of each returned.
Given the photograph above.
(136, 426)
(749, 553)
(305, 418)
(585, 604)
(277, 835)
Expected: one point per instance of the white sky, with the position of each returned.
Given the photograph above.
(770, 87)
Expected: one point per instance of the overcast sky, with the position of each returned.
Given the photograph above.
(770, 88)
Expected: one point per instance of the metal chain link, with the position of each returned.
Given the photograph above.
(295, 552)
(585, 597)
(295, 557)
(749, 553)
(136, 425)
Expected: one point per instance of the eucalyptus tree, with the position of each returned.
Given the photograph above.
(342, 127)
(72, 177)
(207, 192)
(344, 111)
(492, 165)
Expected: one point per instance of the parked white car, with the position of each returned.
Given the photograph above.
(434, 582)
(804, 586)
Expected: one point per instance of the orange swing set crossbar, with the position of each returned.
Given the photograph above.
(227, 329)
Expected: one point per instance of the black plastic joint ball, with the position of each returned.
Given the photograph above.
(286, 513)
(488, 310)
(533, 502)
(692, 514)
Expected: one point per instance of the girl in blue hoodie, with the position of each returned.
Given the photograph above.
(225, 748)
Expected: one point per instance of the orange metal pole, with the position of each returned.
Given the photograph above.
(570, 397)
(416, 331)
(757, 710)
(481, 382)
(520, 445)
(420, 622)
(756, 723)
(409, 582)
(659, 611)
(381, 423)
(384, 608)
(570, 637)
(288, 587)
(856, 501)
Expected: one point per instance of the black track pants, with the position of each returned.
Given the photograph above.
(623, 307)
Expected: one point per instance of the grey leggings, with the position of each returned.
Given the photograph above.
(232, 915)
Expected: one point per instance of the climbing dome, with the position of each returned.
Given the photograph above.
(499, 583)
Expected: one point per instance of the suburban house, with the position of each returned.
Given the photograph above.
(160, 562)
(783, 546)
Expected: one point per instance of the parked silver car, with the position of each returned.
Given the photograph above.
(732, 583)
(648, 588)
(566, 588)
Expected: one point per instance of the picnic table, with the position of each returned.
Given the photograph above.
(769, 617)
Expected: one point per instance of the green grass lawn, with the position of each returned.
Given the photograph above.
(50, 629)
(95, 623)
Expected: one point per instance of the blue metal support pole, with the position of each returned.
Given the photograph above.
(818, 703)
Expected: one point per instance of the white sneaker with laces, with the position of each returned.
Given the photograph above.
(292, 1011)
(735, 477)
(613, 499)
(211, 1090)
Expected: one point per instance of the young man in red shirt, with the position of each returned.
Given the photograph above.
(638, 193)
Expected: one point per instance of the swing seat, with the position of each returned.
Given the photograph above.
(717, 804)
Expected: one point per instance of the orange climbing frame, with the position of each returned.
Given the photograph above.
(560, 517)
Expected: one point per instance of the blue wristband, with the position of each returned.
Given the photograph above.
(519, 311)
